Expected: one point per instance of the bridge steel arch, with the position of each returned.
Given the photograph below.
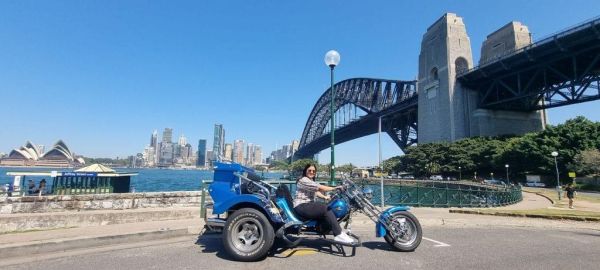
(393, 100)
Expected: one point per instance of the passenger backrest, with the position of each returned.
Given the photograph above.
(284, 192)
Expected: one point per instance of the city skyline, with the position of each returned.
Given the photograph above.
(101, 75)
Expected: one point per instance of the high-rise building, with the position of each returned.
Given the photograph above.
(249, 155)
(295, 146)
(238, 151)
(210, 158)
(218, 142)
(257, 159)
(166, 154)
(148, 156)
(168, 135)
(182, 140)
(201, 161)
(228, 152)
(154, 139)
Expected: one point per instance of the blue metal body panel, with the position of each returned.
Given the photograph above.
(225, 190)
(339, 208)
(287, 211)
(380, 230)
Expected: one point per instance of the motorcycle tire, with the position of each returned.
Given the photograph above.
(248, 235)
(415, 236)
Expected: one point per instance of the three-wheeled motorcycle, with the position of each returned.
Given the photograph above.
(257, 212)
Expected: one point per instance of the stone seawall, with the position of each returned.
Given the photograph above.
(116, 201)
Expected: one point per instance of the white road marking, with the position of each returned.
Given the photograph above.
(439, 244)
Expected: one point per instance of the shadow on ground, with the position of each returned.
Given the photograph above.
(211, 242)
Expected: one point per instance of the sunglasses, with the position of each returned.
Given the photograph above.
(311, 170)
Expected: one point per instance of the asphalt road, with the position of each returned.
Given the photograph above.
(443, 248)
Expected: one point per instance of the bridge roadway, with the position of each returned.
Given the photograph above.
(452, 241)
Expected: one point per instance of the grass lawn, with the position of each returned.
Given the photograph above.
(552, 194)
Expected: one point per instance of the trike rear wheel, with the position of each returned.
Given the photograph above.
(248, 235)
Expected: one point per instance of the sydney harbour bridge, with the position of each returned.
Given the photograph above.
(507, 93)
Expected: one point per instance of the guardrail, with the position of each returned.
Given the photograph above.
(421, 193)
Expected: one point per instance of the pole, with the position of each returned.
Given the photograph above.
(332, 180)
(380, 166)
(557, 179)
(507, 179)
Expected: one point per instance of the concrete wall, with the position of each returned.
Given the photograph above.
(116, 201)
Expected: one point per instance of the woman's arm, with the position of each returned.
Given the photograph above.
(326, 188)
(322, 196)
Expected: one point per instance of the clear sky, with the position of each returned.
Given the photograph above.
(102, 75)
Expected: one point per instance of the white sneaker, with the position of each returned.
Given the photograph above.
(343, 238)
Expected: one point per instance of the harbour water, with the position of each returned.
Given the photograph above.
(148, 180)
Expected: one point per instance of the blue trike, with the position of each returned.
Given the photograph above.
(257, 213)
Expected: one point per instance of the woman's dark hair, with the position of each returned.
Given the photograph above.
(305, 171)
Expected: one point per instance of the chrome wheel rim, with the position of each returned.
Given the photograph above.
(247, 235)
(404, 230)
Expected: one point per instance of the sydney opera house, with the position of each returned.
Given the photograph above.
(31, 155)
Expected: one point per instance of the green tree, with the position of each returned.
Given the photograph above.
(391, 165)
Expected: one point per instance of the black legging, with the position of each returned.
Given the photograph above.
(315, 210)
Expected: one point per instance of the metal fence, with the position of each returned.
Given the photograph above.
(447, 194)
(423, 193)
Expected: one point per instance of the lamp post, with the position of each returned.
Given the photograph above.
(555, 154)
(459, 173)
(507, 179)
(332, 59)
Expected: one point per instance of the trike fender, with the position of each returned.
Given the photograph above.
(380, 229)
(222, 207)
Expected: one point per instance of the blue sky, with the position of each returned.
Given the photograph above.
(102, 75)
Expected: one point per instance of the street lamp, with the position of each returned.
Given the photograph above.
(332, 59)
(555, 154)
(507, 180)
(459, 173)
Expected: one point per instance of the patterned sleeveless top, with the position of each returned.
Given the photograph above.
(305, 191)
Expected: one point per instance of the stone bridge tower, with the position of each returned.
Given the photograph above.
(447, 110)
(444, 107)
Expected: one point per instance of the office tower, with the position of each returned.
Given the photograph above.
(238, 151)
(148, 156)
(249, 155)
(168, 135)
(295, 146)
(186, 153)
(287, 150)
(182, 140)
(257, 155)
(166, 154)
(201, 161)
(228, 152)
(218, 142)
(209, 157)
(154, 139)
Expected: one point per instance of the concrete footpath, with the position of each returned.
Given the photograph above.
(60, 240)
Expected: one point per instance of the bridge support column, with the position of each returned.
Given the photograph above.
(444, 106)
